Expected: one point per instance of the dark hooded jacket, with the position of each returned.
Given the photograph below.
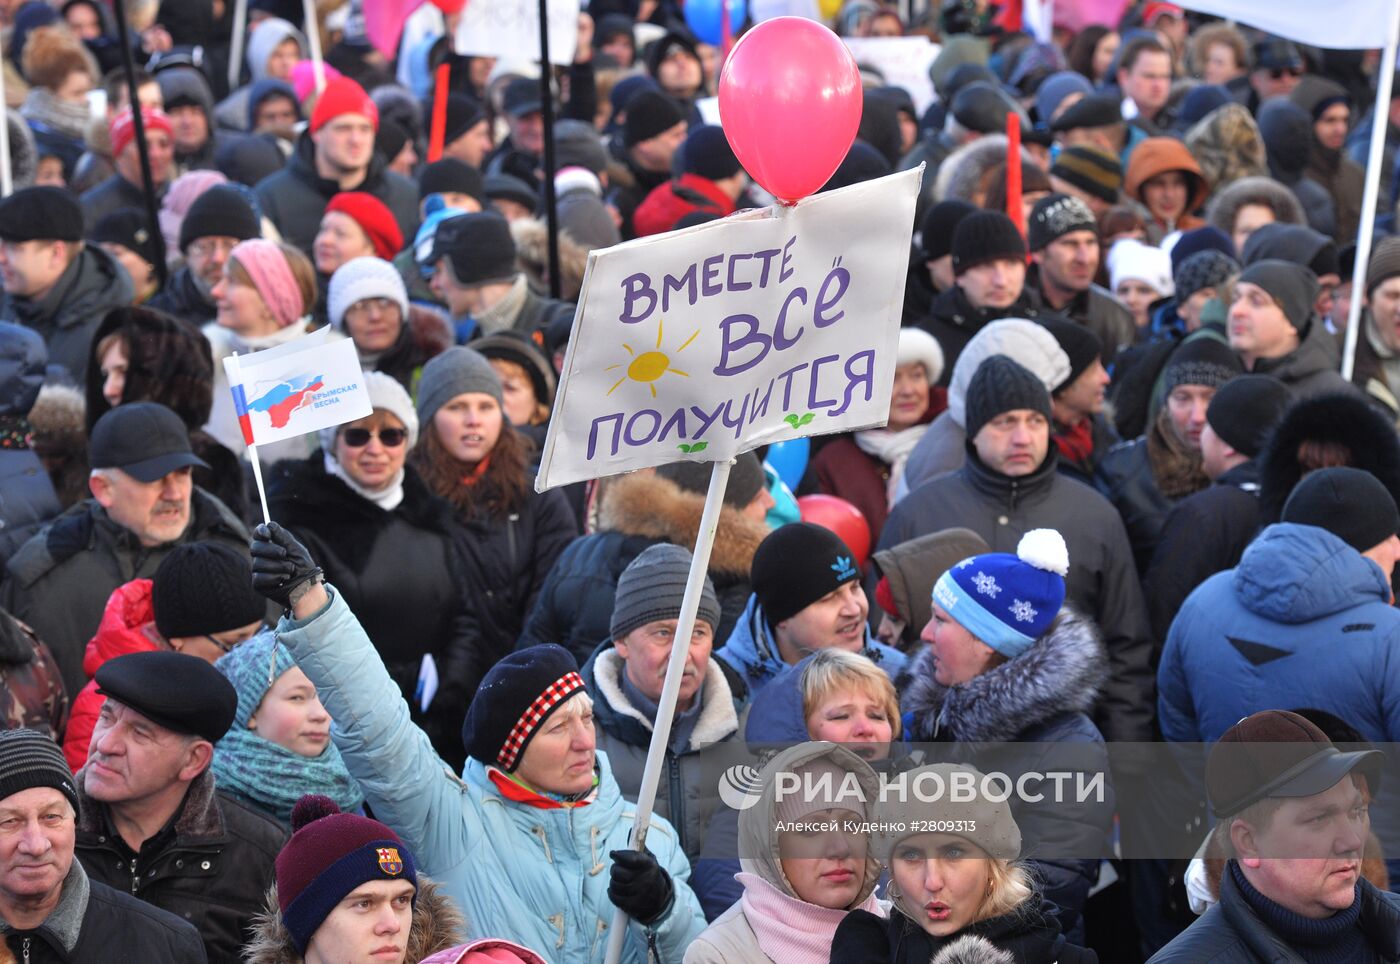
(953, 321)
(186, 85)
(31, 689)
(1312, 367)
(68, 315)
(209, 865)
(1343, 178)
(1287, 133)
(27, 497)
(401, 574)
(182, 298)
(113, 194)
(1028, 935)
(296, 196)
(1102, 579)
(575, 605)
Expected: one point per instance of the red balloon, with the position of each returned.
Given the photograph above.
(790, 101)
(840, 517)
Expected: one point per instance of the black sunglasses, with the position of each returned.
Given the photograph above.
(1278, 73)
(358, 438)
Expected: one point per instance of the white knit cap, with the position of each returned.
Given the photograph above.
(1131, 260)
(361, 278)
(1027, 344)
(385, 393)
(917, 345)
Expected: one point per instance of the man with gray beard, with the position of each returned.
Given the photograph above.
(217, 220)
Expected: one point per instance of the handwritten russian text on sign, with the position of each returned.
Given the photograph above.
(712, 341)
(510, 30)
(303, 386)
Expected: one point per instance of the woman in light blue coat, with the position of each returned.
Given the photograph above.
(531, 840)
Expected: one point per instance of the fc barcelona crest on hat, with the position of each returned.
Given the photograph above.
(389, 861)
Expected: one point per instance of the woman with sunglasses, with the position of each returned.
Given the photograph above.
(200, 601)
(384, 539)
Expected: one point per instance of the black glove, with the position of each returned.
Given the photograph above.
(639, 887)
(280, 564)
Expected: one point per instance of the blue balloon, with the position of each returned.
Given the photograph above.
(705, 19)
(790, 459)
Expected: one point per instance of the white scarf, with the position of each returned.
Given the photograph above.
(892, 448)
(387, 498)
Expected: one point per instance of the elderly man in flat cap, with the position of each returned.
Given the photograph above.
(151, 822)
(50, 910)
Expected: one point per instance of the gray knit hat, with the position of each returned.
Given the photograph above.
(455, 372)
(29, 759)
(1001, 385)
(1292, 286)
(1204, 269)
(652, 587)
(1384, 264)
(745, 478)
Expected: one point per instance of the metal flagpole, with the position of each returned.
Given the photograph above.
(235, 55)
(675, 668)
(547, 116)
(1374, 175)
(313, 40)
(139, 124)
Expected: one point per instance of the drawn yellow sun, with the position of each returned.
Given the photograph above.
(648, 367)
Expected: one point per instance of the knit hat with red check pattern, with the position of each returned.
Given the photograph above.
(514, 700)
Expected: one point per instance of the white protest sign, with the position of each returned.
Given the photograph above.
(303, 386)
(510, 30)
(902, 61)
(765, 326)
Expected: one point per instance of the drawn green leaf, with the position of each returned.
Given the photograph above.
(805, 419)
(699, 446)
(684, 447)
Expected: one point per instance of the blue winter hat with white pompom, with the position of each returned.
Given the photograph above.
(1006, 601)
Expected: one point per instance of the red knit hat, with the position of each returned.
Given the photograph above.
(330, 854)
(122, 130)
(374, 217)
(342, 96)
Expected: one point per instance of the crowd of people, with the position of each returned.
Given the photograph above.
(1124, 496)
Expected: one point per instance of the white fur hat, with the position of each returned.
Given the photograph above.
(361, 278)
(917, 345)
(1027, 344)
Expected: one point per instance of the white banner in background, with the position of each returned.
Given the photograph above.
(902, 61)
(708, 342)
(510, 30)
(1340, 24)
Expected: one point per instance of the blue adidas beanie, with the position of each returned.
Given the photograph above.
(1006, 601)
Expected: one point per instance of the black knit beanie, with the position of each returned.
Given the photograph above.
(1352, 504)
(796, 565)
(1080, 344)
(514, 699)
(220, 211)
(706, 152)
(1292, 286)
(1204, 269)
(128, 227)
(745, 478)
(204, 588)
(28, 759)
(1245, 408)
(452, 176)
(936, 234)
(1201, 361)
(985, 236)
(1000, 385)
(1056, 215)
(649, 113)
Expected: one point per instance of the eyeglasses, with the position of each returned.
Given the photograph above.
(224, 648)
(1278, 73)
(208, 247)
(358, 438)
(363, 309)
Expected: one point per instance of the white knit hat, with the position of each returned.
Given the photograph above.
(1131, 260)
(361, 278)
(385, 393)
(1027, 344)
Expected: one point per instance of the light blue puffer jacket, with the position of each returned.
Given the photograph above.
(535, 876)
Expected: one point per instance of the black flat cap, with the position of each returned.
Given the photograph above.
(182, 693)
(145, 440)
(41, 214)
(1096, 110)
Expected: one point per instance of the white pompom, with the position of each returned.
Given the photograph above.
(1044, 549)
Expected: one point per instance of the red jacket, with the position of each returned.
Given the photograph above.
(127, 626)
(671, 201)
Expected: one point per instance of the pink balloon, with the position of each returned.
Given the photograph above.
(790, 101)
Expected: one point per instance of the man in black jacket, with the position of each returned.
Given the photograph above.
(1293, 821)
(49, 908)
(216, 221)
(151, 823)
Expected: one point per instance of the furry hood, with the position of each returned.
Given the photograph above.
(719, 712)
(1062, 672)
(1227, 145)
(1344, 419)
(437, 925)
(644, 504)
(960, 175)
(60, 439)
(972, 949)
(532, 246)
(1253, 190)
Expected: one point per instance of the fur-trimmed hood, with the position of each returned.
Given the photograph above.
(972, 950)
(437, 926)
(1061, 673)
(1253, 190)
(1227, 145)
(60, 440)
(719, 712)
(960, 175)
(532, 247)
(644, 504)
(1344, 419)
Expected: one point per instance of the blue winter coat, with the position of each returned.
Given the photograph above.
(752, 651)
(536, 876)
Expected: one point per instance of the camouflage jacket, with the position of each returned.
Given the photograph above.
(31, 687)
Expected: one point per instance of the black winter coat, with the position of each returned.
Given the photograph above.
(954, 321)
(211, 866)
(401, 575)
(116, 929)
(1125, 478)
(1030, 935)
(182, 298)
(575, 606)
